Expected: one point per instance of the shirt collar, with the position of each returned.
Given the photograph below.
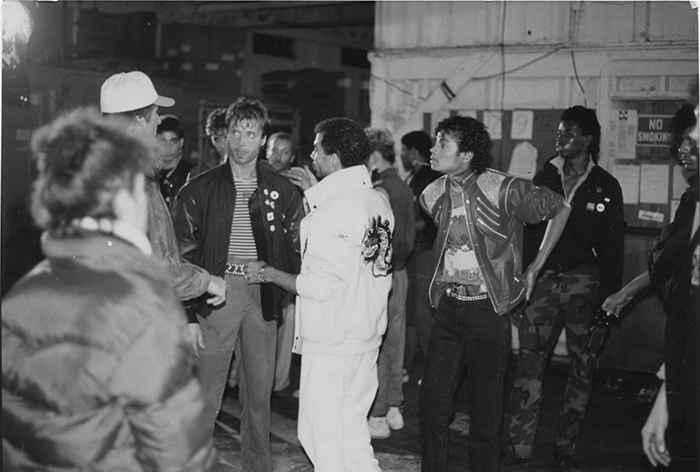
(338, 182)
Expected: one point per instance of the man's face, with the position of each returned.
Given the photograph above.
(170, 148)
(406, 157)
(322, 162)
(218, 140)
(279, 154)
(245, 138)
(570, 140)
(445, 157)
(688, 151)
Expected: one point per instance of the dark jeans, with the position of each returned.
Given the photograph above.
(467, 337)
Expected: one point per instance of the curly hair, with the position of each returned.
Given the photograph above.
(83, 160)
(216, 122)
(587, 120)
(344, 137)
(248, 109)
(380, 140)
(470, 136)
(683, 119)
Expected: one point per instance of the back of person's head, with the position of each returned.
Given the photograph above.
(420, 141)
(216, 122)
(247, 109)
(587, 120)
(344, 137)
(83, 160)
(683, 119)
(471, 136)
(382, 141)
(131, 94)
(170, 123)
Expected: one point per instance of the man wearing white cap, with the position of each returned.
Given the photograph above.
(132, 96)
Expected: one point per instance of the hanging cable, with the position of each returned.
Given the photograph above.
(573, 61)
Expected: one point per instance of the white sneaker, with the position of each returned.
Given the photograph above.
(405, 377)
(394, 418)
(378, 427)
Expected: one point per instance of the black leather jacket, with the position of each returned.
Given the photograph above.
(202, 215)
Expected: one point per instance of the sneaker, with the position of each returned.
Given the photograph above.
(405, 377)
(566, 462)
(514, 463)
(378, 427)
(395, 418)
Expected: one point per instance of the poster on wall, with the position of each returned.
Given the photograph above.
(623, 134)
(493, 120)
(628, 176)
(521, 124)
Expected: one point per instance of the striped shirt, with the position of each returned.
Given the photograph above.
(241, 242)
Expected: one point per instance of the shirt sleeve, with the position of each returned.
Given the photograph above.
(327, 253)
(530, 203)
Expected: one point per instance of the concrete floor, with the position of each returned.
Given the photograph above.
(611, 438)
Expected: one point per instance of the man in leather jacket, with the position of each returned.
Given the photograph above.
(238, 212)
(477, 280)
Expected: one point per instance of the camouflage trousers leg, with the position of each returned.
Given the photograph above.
(560, 301)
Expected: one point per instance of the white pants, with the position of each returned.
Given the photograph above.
(336, 393)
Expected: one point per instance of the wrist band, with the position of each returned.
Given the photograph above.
(261, 274)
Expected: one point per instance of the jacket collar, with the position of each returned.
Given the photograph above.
(338, 182)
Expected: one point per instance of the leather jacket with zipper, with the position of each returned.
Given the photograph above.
(202, 215)
(497, 206)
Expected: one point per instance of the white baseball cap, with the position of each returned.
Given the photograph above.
(130, 91)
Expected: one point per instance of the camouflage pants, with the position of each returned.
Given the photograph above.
(560, 300)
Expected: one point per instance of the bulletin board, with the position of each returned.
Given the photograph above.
(638, 144)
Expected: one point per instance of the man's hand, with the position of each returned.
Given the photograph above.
(654, 430)
(193, 335)
(252, 269)
(614, 303)
(216, 287)
(302, 177)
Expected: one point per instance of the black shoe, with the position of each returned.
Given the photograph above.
(566, 462)
(514, 463)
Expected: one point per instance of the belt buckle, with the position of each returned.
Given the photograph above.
(235, 269)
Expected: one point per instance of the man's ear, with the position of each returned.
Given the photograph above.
(264, 142)
(466, 156)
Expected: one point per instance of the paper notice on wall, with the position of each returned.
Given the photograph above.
(493, 122)
(628, 176)
(679, 182)
(623, 134)
(521, 125)
(655, 216)
(653, 183)
(523, 162)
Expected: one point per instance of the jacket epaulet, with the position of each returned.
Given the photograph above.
(490, 184)
(433, 191)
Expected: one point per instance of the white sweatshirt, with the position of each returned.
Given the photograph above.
(343, 285)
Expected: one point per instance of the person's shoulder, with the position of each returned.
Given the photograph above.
(604, 178)
(280, 181)
(202, 181)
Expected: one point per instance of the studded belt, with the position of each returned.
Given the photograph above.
(235, 269)
(459, 293)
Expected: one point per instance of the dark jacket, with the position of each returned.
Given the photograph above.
(497, 206)
(96, 374)
(401, 202)
(203, 212)
(425, 227)
(594, 232)
(171, 182)
(673, 262)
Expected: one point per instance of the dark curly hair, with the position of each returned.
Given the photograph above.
(216, 122)
(248, 109)
(683, 119)
(344, 137)
(587, 120)
(83, 160)
(470, 136)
